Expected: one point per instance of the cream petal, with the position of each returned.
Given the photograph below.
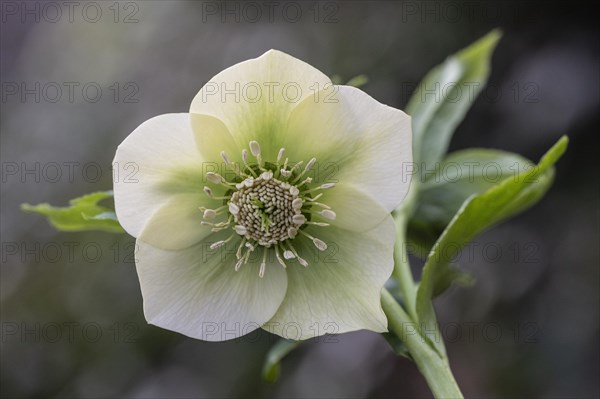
(157, 162)
(357, 141)
(255, 97)
(340, 290)
(355, 210)
(197, 292)
(176, 224)
(212, 137)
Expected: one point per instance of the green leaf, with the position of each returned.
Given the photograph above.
(450, 275)
(358, 81)
(337, 79)
(272, 366)
(102, 216)
(460, 175)
(397, 345)
(444, 96)
(83, 214)
(479, 212)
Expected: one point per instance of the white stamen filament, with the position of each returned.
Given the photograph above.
(217, 244)
(254, 148)
(307, 168)
(245, 160)
(308, 180)
(220, 224)
(263, 265)
(328, 214)
(280, 154)
(321, 187)
(238, 264)
(268, 175)
(316, 197)
(238, 253)
(233, 208)
(225, 158)
(320, 204)
(297, 203)
(214, 177)
(209, 214)
(320, 224)
(321, 246)
(298, 165)
(300, 260)
(299, 219)
(281, 262)
(292, 232)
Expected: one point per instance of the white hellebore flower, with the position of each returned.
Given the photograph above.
(268, 205)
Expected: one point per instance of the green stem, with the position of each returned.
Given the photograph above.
(402, 272)
(432, 366)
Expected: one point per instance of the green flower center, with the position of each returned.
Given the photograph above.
(267, 210)
(268, 205)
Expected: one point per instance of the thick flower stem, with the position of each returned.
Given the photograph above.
(432, 366)
(403, 323)
(402, 271)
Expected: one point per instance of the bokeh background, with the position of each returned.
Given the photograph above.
(71, 310)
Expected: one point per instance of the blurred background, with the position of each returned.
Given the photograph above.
(78, 77)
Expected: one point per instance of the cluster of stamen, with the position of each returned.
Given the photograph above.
(266, 210)
(268, 205)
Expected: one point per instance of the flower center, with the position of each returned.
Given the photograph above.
(268, 205)
(267, 210)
